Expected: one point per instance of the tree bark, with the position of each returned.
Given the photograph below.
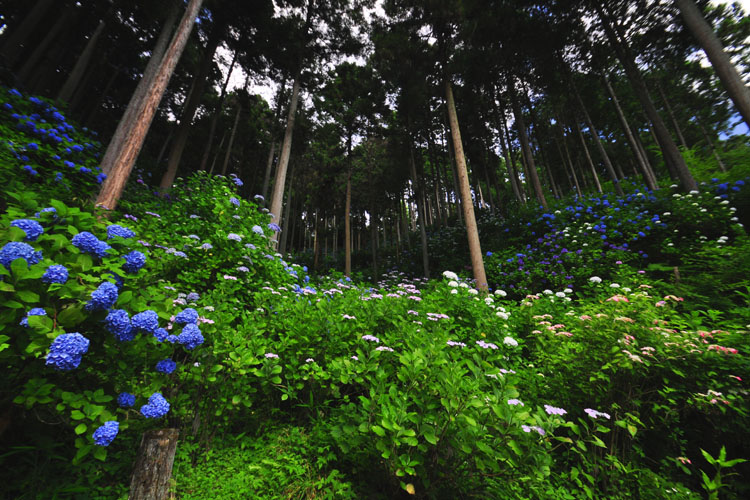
(138, 99)
(420, 213)
(13, 48)
(710, 145)
(153, 465)
(725, 70)
(231, 139)
(122, 165)
(588, 157)
(475, 249)
(286, 149)
(287, 215)
(666, 143)
(217, 114)
(188, 112)
(599, 145)
(526, 149)
(271, 152)
(348, 224)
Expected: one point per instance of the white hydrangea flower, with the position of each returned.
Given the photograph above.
(502, 315)
(510, 341)
(595, 279)
(560, 294)
(501, 293)
(450, 275)
(463, 285)
(453, 283)
(473, 291)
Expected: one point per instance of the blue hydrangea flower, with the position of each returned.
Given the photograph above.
(234, 201)
(37, 311)
(157, 406)
(161, 334)
(51, 210)
(118, 323)
(274, 227)
(125, 400)
(187, 316)
(193, 297)
(134, 261)
(31, 227)
(258, 230)
(237, 181)
(56, 273)
(103, 297)
(147, 321)
(190, 337)
(86, 242)
(66, 351)
(117, 230)
(17, 250)
(166, 366)
(234, 237)
(171, 339)
(105, 434)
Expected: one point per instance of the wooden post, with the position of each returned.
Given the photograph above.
(153, 465)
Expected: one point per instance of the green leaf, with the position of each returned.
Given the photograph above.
(125, 298)
(429, 435)
(19, 268)
(27, 296)
(77, 415)
(81, 428)
(378, 430)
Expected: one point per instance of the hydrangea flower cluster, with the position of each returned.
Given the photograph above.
(166, 366)
(37, 311)
(66, 351)
(134, 261)
(87, 242)
(596, 414)
(103, 297)
(107, 433)
(190, 337)
(193, 297)
(146, 321)
(126, 400)
(17, 250)
(551, 410)
(31, 227)
(234, 201)
(55, 273)
(157, 406)
(187, 316)
(117, 230)
(118, 323)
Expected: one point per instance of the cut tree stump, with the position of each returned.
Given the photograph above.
(153, 465)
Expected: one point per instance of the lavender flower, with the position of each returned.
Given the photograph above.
(551, 410)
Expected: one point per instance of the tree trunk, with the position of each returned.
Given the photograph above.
(138, 100)
(710, 145)
(588, 157)
(231, 139)
(648, 174)
(720, 61)
(188, 112)
(669, 148)
(74, 79)
(13, 48)
(672, 117)
(271, 152)
(153, 465)
(506, 153)
(286, 149)
(122, 165)
(526, 149)
(288, 211)
(348, 225)
(599, 145)
(420, 213)
(217, 114)
(475, 250)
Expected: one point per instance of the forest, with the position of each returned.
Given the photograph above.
(333, 249)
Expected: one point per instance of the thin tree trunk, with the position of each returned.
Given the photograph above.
(188, 112)
(710, 145)
(13, 47)
(475, 249)
(642, 161)
(217, 114)
(420, 213)
(153, 465)
(286, 149)
(74, 79)
(531, 166)
(667, 145)
(114, 184)
(672, 116)
(725, 70)
(588, 157)
(231, 138)
(271, 152)
(138, 99)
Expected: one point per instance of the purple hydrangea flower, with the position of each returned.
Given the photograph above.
(55, 273)
(17, 250)
(103, 297)
(31, 227)
(157, 406)
(551, 410)
(234, 201)
(258, 230)
(166, 366)
(234, 237)
(125, 400)
(190, 337)
(66, 351)
(105, 434)
(274, 227)
(193, 297)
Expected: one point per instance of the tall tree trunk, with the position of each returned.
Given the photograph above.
(475, 249)
(599, 145)
(420, 213)
(725, 70)
(272, 150)
(153, 465)
(710, 145)
(588, 157)
(348, 225)
(138, 100)
(188, 112)
(122, 165)
(506, 153)
(672, 117)
(217, 114)
(13, 46)
(512, 172)
(643, 164)
(526, 149)
(74, 79)
(286, 149)
(666, 143)
(231, 139)
(287, 214)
